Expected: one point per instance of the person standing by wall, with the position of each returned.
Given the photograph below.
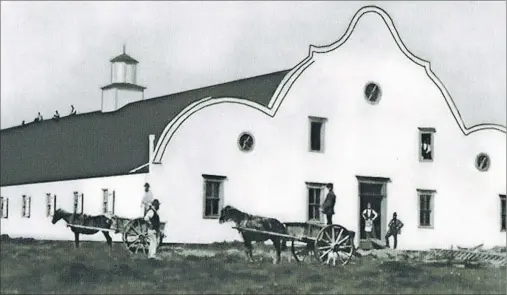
(369, 215)
(328, 204)
(147, 198)
(394, 230)
(153, 220)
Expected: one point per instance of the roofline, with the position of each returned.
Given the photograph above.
(123, 86)
(291, 77)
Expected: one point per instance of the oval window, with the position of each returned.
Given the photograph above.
(246, 142)
(372, 93)
(482, 162)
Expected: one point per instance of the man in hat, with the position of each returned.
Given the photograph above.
(394, 230)
(147, 198)
(328, 204)
(153, 220)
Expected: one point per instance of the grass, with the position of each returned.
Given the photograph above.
(44, 267)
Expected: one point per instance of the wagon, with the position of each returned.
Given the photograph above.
(134, 232)
(315, 239)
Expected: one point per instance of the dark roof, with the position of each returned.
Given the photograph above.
(104, 144)
(124, 58)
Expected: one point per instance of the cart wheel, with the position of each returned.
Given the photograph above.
(301, 250)
(337, 239)
(135, 236)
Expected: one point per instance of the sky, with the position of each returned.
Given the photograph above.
(54, 54)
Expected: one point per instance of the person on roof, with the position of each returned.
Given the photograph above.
(56, 116)
(72, 110)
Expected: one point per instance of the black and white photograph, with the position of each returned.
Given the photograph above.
(256, 147)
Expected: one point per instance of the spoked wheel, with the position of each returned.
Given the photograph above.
(334, 239)
(135, 236)
(301, 250)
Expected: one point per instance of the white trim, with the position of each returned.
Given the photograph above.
(292, 76)
(139, 168)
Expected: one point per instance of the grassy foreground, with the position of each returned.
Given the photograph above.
(56, 267)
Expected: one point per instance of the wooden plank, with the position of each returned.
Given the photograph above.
(268, 233)
(91, 227)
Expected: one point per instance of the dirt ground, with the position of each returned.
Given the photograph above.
(45, 267)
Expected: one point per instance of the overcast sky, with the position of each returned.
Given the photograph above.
(54, 54)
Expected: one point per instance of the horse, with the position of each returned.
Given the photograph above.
(101, 221)
(242, 219)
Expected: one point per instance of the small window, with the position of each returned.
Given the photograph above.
(315, 198)
(5, 207)
(482, 162)
(317, 134)
(503, 211)
(213, 195)
(246, 142)
(372, 93)
(26, 204)
(426, 208)
(50, 204)
(108, 201)
(426, 144)
(78, 203)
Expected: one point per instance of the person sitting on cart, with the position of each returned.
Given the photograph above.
(328, 204)
(147, 198)
(153, 220)
(394, 230)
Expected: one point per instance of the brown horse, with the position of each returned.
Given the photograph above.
(241, 219)
(100, 221)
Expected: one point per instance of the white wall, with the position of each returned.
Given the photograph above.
(361, 139)
(114, 99)
(128, 194)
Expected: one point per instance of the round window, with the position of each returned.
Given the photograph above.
(482, 162)
(372, 93)
(246, 142)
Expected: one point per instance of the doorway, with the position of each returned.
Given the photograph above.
(373, 190)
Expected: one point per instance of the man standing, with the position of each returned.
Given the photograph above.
(328, 205)
(147, 198)
(395, 226)
(153, 221)
(369, 216)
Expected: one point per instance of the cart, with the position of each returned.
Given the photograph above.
(315, 239)
(134, 232)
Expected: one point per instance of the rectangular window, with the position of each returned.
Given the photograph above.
(26, 204)
(317, 134)
(426, 199)
(503, 212)
(426, 144)
(50, 204)
(213, 195)
(108, 201)
(78, 203)
(5, 207)
(315, 199)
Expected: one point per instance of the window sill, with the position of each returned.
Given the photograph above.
(425, 161)
(210, 217)
(316, 151)
(426, 227)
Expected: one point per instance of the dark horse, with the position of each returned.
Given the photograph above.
(101, 221)
(241, 219)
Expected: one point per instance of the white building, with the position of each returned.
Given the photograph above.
(362, 113)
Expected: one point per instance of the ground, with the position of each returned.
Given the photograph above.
(45, 267)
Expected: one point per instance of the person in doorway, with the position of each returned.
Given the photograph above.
(153, 220)
(369, 215)
(328, 204)
(394, 230)
(147, 198)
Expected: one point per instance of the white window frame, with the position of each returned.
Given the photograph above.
(213, 179)
(310, 186)
(78, 200)
(431, 131)
(323, 122)
(108, 207)
(5, 207)
(431, 194)
(50, 205)
(26, 206)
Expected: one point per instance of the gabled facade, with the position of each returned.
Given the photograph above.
(362, 113)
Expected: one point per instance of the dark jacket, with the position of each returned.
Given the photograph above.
(328, 205)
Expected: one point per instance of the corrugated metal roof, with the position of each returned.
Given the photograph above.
(103, 144)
